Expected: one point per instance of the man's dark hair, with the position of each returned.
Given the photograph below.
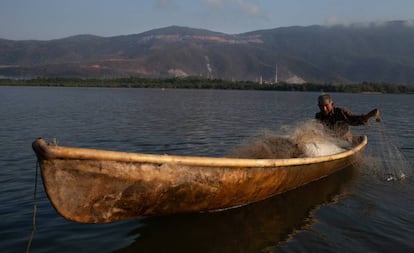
(322, 98)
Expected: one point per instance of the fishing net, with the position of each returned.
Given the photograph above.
(386, 160)
(307, 139)
(383, 157)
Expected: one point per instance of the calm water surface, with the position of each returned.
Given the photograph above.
(366, 208)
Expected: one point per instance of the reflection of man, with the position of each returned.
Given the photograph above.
(339, 119)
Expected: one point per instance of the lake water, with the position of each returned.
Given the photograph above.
(366, 208)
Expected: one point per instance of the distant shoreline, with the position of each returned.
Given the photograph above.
(197, 83)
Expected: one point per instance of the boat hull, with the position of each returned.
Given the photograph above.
(93, 186)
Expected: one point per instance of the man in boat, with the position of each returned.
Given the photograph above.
(338, 119)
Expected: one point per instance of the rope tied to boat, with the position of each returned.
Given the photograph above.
(29, 244)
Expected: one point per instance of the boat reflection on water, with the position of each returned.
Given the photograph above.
(252, 228)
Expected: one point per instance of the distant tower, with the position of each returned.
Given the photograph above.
(276, 80)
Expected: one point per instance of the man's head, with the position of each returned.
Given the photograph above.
(325, 104)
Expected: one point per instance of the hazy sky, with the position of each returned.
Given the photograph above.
(52, 19)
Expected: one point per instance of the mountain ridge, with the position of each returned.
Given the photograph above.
(327, 54)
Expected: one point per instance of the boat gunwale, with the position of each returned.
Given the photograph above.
(46, 151)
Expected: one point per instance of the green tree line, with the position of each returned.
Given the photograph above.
(197, 83)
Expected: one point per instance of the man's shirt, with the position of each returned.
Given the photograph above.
(340, 119)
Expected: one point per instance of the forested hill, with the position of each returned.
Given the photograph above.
(339, 54)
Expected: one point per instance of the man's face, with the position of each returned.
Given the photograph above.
(326, 106)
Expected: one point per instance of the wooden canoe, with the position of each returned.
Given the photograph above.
(98, 186)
